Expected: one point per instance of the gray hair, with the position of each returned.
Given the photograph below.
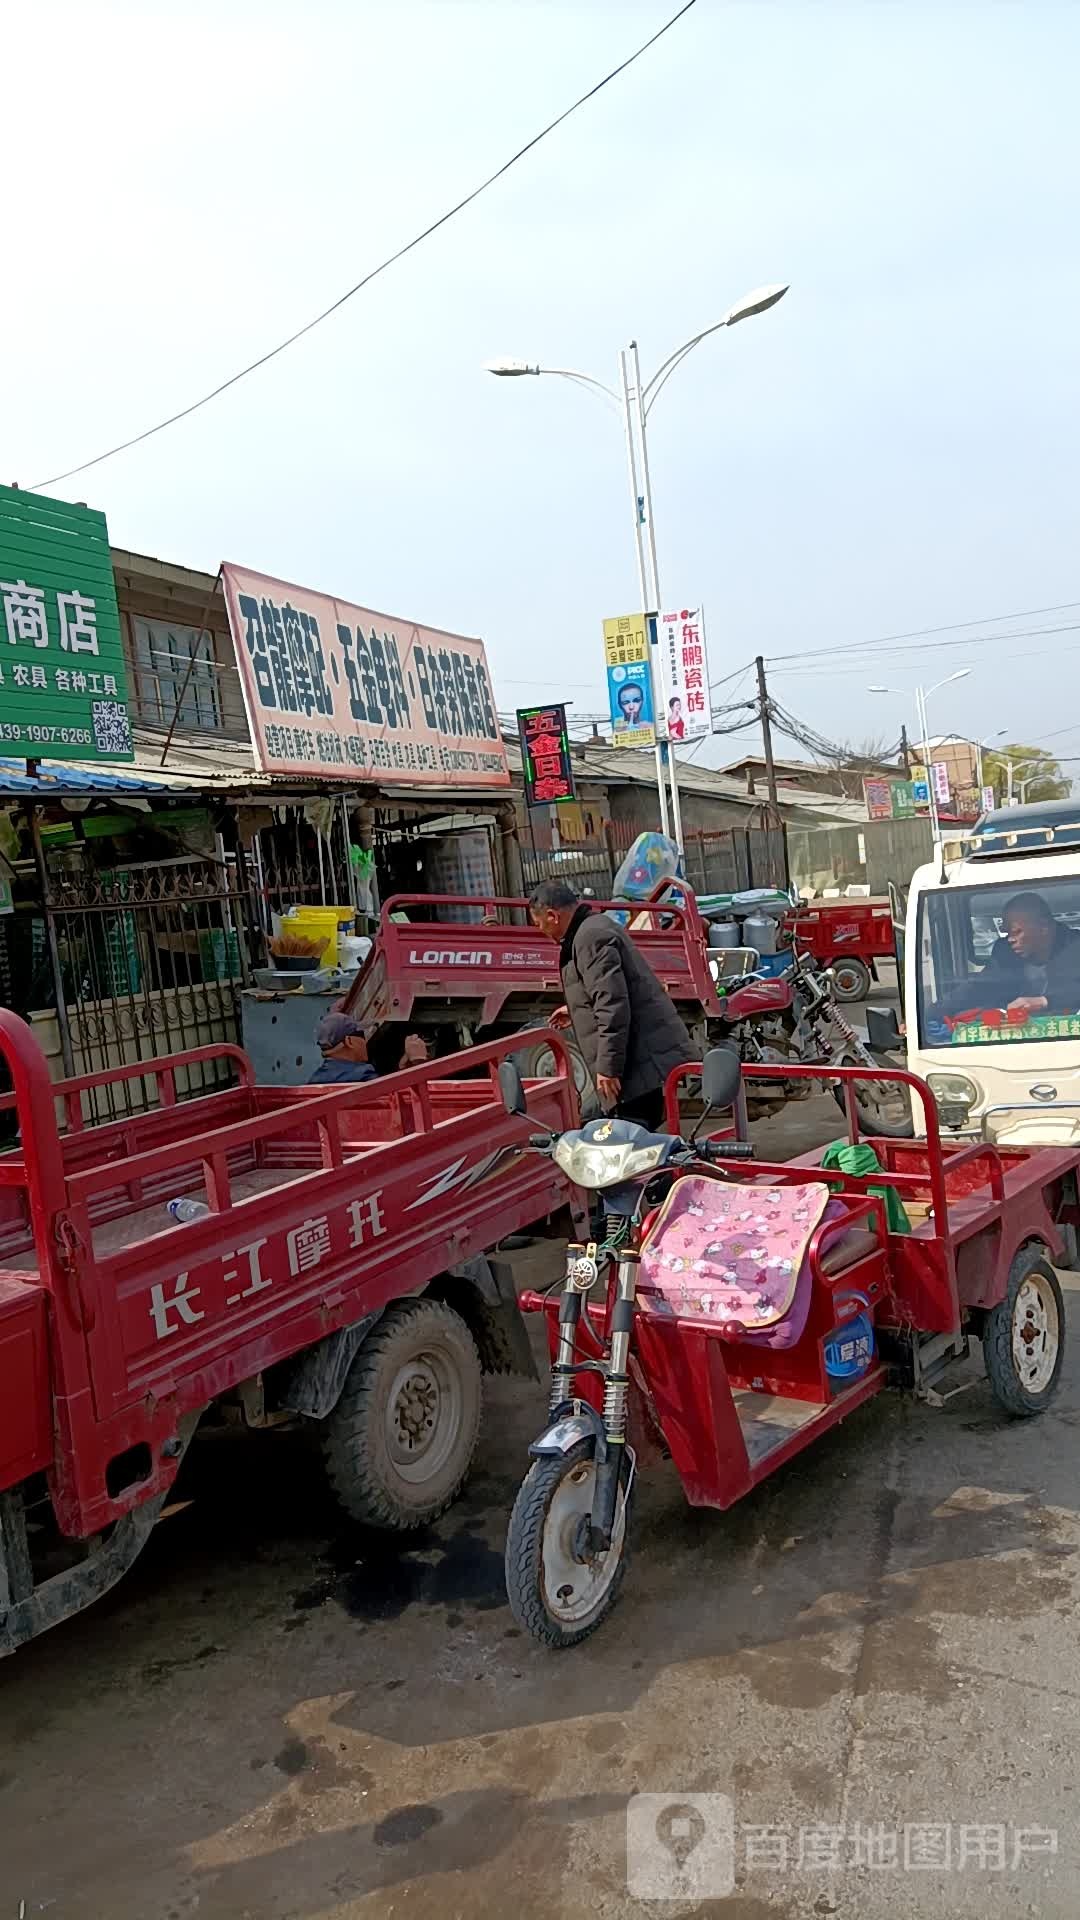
(554, 895)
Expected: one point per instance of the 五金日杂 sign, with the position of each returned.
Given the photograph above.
(63, 685)
(545, 755)
(337, 690)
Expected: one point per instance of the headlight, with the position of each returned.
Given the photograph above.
(592, 1166)
(953, 1089)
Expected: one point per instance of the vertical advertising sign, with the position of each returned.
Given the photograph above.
(878, 799)
(988, 801)
(920, 786)
(545, 756)
(630, 694)
(684, 710)
(63, 685)
(939, 773)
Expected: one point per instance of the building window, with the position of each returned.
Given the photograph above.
(176, 675)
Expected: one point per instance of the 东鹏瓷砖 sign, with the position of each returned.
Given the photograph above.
(63, 685)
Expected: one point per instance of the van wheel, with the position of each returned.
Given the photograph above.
(401, 1439)
(1024, 1336)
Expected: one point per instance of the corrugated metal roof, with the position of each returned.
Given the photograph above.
(54, 778)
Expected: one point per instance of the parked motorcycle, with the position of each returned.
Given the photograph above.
(567, 1541)
(797, 1017)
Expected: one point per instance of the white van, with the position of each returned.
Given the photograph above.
(990, 964)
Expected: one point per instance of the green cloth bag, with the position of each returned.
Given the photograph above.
(840, 1156)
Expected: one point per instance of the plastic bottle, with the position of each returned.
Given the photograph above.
(183, 1210)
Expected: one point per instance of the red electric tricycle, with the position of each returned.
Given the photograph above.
(730, 1313)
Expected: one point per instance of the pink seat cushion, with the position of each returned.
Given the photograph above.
(734, 1258)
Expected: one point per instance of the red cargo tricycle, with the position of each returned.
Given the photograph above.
(847, 936)
(731, 1313)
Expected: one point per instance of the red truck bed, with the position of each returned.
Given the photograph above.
(501, 973)
(116, 1324)
(829, 929)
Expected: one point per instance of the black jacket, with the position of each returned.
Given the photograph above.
(623, 1021)
(1057, 980)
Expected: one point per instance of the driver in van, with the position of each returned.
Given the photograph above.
(1038, 962)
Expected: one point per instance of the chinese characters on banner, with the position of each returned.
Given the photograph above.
(630, 693)
(63, 685)
(988, 800)
(545, 755)
(920, 786)
(335, 689)
(890, 799)
(939, 773)
(878, 797)
(684, 710)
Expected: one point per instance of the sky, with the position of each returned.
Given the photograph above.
(892, 448)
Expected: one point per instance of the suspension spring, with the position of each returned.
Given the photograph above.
(615, 1405)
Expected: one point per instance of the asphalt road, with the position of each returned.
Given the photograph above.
(873, 1658)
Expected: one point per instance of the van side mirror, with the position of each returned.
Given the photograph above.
(511, 1087)
(721, 1077)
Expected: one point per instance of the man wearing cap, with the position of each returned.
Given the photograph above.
(344, 1051)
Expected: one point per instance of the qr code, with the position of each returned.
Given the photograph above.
(112, 728)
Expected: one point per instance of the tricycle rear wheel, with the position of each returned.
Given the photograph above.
(850, 978)
(1024, 1336)
(553, 1595)
(400, 1441)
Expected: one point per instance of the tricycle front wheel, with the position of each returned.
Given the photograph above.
(558, 1596)
(1024, 1336)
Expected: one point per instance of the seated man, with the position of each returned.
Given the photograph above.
(343, 1043)
(345, 1051)
(1037, 965)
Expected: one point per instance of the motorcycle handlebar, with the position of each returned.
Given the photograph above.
(724, 1149)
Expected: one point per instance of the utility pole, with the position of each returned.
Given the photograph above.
(905, 749)
(766, 727)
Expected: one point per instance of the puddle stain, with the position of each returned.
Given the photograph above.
(377, 1579)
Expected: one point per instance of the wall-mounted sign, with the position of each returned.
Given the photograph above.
(334, 689)
(629, 678)
(878, 799)
(63, 685)
(545, 755)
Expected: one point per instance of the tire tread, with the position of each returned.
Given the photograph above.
(353, 1475)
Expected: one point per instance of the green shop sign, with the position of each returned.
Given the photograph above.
(63, 686)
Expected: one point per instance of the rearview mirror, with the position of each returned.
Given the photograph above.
(511, 1087)
(721, 1076)
(882, 1030)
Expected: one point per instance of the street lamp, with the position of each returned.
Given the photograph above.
(635, 402)
(922, 695)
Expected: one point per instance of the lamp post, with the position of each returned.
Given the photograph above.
(635, 402)
(922, 695)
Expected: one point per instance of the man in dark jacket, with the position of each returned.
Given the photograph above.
(628, 1031)
(1037, 965)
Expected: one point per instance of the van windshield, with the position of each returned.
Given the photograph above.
(1000, 963)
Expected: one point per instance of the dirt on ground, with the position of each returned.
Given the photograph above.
(868, 1668)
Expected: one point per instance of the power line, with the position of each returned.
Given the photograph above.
(384, 265)
(920, 633)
